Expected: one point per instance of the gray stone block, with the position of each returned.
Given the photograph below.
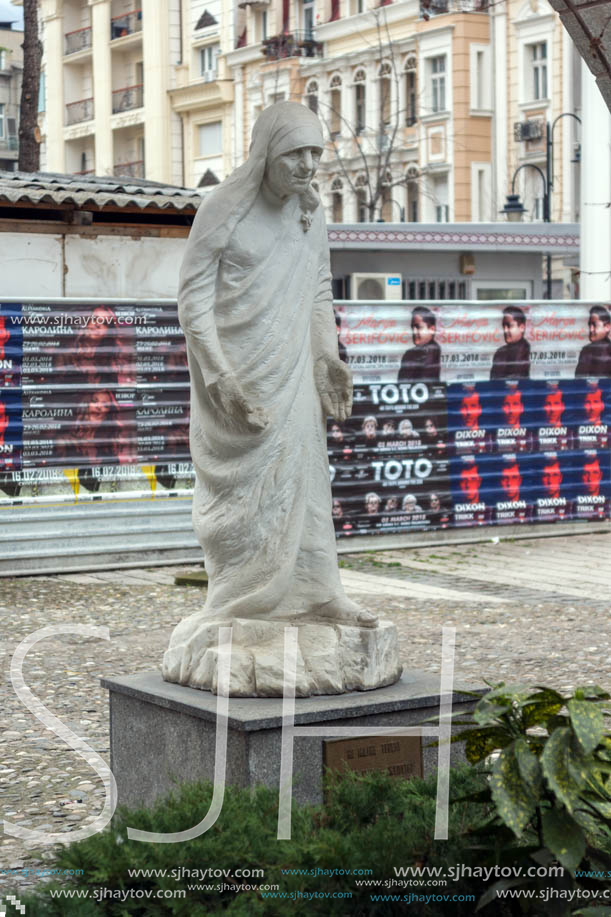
(163, 734)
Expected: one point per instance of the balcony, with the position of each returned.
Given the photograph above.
(79, 111)
(127, 98)
(294, 44)
(79, 40)
(126, 24)
(430, 8)
(129, 169)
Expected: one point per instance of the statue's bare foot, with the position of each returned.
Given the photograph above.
(344, 611)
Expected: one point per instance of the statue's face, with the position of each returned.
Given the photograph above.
(292, 172)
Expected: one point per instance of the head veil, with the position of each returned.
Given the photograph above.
(281, 127)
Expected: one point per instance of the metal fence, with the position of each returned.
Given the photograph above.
(79, 111)
(126, 24)
(127, 98)
(78, 40)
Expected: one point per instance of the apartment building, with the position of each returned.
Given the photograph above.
(430, 107)
(108, 68)
(11, 69)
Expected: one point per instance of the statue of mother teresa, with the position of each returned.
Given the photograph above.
(255, 304)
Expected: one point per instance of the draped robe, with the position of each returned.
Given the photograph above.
(262, 501)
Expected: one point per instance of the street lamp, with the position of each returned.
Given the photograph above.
(514, 210)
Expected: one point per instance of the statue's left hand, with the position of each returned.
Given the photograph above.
(334, 384)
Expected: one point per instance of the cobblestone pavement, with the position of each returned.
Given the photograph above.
(530, 610)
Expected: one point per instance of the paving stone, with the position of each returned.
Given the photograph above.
(529, 611)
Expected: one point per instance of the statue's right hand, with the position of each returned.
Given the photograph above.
(228, 397)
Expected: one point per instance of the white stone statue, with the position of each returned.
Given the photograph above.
(255, 304)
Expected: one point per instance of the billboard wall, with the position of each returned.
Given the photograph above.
(465, 413)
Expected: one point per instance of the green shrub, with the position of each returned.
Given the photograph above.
(550, 785)
(369, 822)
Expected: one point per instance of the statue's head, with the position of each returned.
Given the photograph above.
(291, 136)
(291, 172)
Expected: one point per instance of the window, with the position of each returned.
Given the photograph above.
(538, 70)
(412, 201)
(210, 139)
(481, 78)
(438, 83)
(481, 192)
(208, 61)
(410, 97)
(439, 199)
(308, 18)
(263, 25)
(337, 203)
(386, 204)
(2, 128)
(359, 100)
(362, 210)
(312, 96)
(335, 114)
(385, 88)
(2, 59)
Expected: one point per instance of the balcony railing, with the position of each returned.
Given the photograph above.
(430, 8)
(129, 169)
(126, 24)
(293, 44)
(127, 98)
(9, 143)
(79, 111)
(77, 40)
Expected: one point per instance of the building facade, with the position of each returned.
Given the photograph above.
(11, 69)
(429, 107)
(108, 68)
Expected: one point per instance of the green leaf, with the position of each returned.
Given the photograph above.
(587, 722)
(585, 692)
(514, 799)
(556, 722)
(593, 912)
(529, 767)
(564, 838)
(540, 706)
(482, 742)
(555, 766)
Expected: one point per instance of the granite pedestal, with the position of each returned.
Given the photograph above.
(162, 734)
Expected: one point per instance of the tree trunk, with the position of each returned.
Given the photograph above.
(29, 137)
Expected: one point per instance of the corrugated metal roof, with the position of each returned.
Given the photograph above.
(97, 191)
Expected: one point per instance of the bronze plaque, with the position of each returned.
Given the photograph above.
(399, 756)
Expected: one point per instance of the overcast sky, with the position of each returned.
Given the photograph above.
(10, 13)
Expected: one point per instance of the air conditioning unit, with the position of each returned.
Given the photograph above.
(376, 286)
(528, 130)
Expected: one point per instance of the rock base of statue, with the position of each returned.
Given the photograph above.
(330, 658)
